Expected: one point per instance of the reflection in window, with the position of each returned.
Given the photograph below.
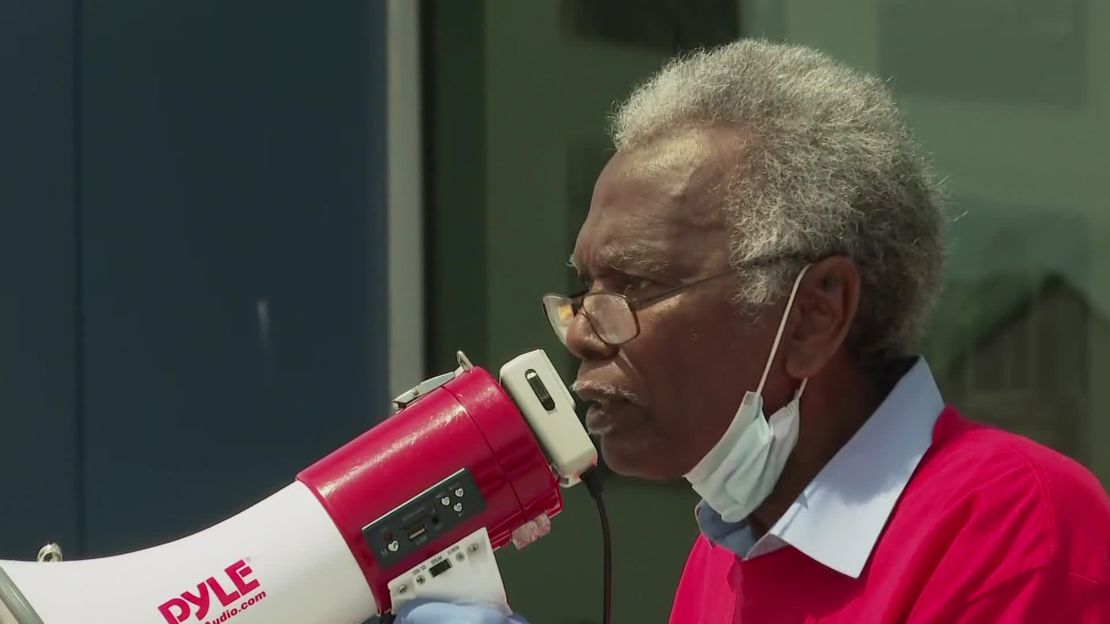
(1009, 343)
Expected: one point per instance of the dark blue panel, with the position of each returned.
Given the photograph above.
(234, 253)
(38, 482)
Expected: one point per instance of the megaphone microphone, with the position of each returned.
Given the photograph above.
(413, 508)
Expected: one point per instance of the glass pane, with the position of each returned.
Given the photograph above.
(1014, 110)
(560, 313)
(612, 318)
(518, 98)
(1012, 102)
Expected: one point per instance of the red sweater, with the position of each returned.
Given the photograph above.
(992, 527)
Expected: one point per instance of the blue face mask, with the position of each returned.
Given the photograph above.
(738, 473)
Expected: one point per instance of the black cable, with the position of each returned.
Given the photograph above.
(592, 479)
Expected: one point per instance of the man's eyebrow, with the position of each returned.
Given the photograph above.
(632, 260)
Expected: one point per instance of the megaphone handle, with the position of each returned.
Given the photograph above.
(14, 607)
(465, 572)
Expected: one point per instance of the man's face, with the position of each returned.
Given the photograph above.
(663, 399)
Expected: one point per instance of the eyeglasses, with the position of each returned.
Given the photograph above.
(611, 315)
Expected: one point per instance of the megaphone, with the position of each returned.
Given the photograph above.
(413, 508)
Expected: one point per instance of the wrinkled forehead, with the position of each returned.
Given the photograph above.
(658, 208)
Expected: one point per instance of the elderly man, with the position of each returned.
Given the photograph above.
(759, 257)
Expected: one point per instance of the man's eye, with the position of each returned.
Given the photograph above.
(635, 284)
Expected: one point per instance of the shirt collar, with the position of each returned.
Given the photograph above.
(837, 519)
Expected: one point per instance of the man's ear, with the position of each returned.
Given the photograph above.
(825, 309)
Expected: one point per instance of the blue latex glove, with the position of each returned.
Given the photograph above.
(421, 612)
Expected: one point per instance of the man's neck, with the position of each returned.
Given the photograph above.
(832, 411)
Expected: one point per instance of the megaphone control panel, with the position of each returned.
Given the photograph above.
(432, 513)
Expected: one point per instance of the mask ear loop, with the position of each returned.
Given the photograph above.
(778, 336)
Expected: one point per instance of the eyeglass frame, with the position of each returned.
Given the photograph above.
(634, 304)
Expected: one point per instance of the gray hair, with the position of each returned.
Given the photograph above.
(828, 168)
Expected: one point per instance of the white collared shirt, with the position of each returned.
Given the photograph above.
(837, 519)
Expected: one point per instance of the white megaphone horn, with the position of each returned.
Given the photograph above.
(413, 508)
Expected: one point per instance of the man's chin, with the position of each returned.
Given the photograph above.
(633, 458)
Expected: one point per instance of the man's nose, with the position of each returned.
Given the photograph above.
(584, 342)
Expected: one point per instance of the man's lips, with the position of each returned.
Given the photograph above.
(608, 406)
(599, 392)
(605, 418)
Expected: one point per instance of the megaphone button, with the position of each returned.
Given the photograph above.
(540, 390)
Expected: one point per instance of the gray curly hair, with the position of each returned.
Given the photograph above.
(828, 168)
